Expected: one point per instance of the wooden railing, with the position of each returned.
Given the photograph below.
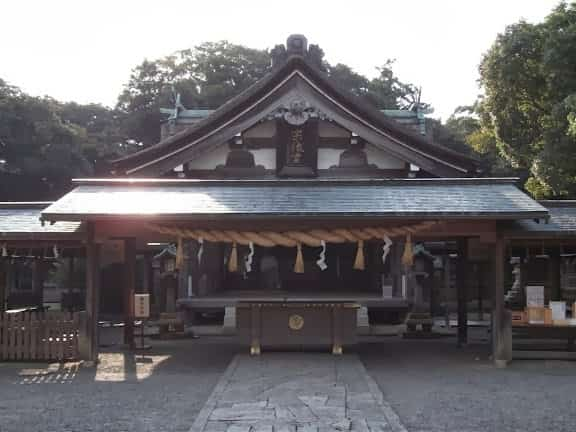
(39, 336)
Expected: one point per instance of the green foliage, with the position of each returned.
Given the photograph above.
(44, 143)
(205, 77)
(36, 142)
(529, 108)
(210, 74)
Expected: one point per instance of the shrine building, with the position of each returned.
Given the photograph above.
(295, 215)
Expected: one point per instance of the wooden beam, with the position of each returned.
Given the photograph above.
(462, 293)
(89, 346)
(129, 289)
(501, 320)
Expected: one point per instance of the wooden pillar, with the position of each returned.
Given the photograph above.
(89, 325)
(129, 289)
(501, 319)
(462, 287)
(3, 284)
(70, 281)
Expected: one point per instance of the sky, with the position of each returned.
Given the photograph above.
(84, 51)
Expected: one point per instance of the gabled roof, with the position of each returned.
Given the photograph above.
(296, 74)
(168, 199)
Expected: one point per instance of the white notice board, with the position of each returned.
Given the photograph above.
(141, 305)
(535, 295)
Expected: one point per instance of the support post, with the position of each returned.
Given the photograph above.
(462, 293)
(88, 345)
(3, 283)
(501, 321)
(70, 278)
(129, 289)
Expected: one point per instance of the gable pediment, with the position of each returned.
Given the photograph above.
(297, 94)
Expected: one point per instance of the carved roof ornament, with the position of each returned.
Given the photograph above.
(297, 111)
(297, 45)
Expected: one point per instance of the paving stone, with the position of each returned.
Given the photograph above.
(379, 426)
(324, 394)
(250, 405)
(239, 428)
(302, 413)
(285, 428)
(307, 428)
(215, 426)
(240, 414)
(284, 414)
(314, 401)
(359, 425)
(342, 425)
(263, 428)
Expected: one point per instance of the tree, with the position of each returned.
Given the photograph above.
(529, 107)
(212, 73)
(44, 143)
(205, 77)
(36, 145)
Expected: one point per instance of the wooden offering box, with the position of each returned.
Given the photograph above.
(538, 315)
(297, 324)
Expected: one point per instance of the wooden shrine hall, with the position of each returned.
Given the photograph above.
(304, 214)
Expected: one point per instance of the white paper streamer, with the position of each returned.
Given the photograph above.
(4, 251)
(55, 252)
(200, 250)
(386, 248)
(249, 258)
(322, 261)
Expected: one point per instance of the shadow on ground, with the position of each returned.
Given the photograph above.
(432, 385)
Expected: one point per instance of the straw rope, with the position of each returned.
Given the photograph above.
(313, 238)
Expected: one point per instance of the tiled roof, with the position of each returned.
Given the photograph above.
(23, 220)
(433, 198)
(562, 221)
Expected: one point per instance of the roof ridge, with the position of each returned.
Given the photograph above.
(287, 182)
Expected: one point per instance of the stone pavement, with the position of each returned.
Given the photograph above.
(296, 392)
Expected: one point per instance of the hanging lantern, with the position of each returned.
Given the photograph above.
(408, 256)
(359, 262)
(299, 264)
(233, 259)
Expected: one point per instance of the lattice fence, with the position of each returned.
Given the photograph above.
(39, 336)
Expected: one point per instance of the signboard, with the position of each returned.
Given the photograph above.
(558, 310)
(141, 305)
(535, 295)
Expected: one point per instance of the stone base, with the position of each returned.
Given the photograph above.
(229, 325)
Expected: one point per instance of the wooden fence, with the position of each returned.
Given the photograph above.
(39, 336)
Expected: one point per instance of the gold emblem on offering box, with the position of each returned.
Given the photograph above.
(295, 322)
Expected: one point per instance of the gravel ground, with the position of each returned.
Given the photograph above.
(162, 390)
(432, 386)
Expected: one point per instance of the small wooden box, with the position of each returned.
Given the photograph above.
(536, 315)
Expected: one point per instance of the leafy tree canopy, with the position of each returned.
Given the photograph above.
(44, 143)
(528, 112)
(212, 73)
